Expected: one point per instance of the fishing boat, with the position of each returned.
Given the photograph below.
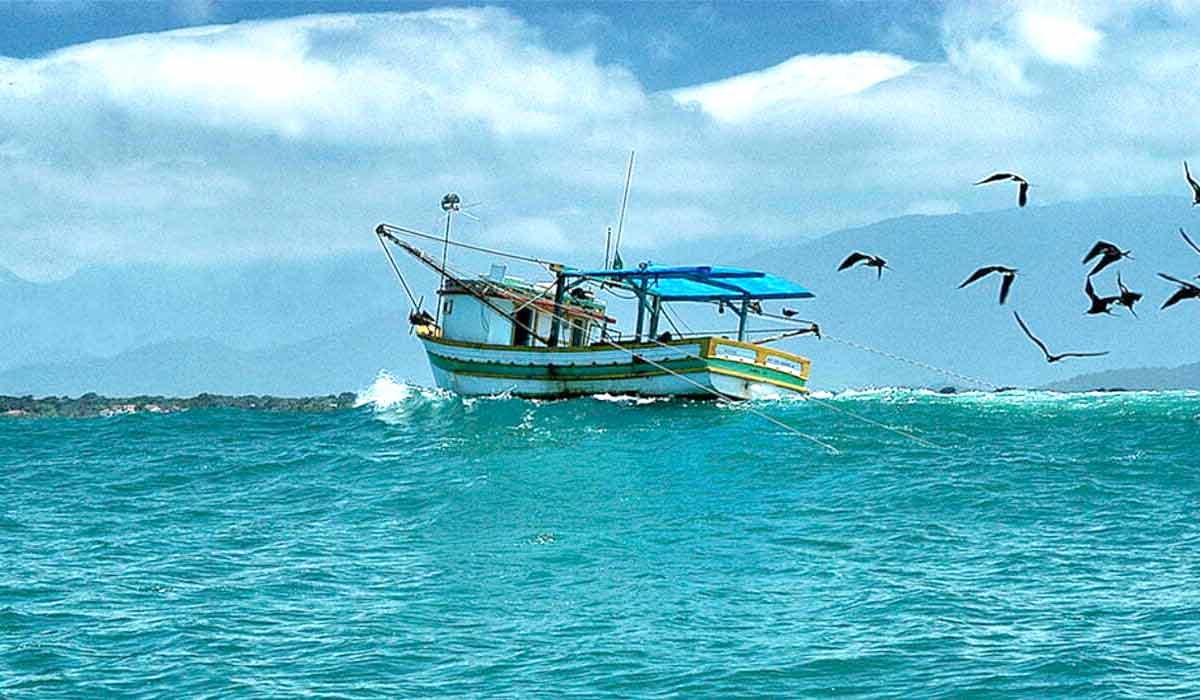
(495, 333)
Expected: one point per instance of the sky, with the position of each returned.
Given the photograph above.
(202, 132)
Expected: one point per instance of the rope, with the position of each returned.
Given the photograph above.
(871, 421)
(915, 363)
(718, 395)
(721, 397)
(726, 400)
(826, 404)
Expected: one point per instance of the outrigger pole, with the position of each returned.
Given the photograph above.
(446, 275)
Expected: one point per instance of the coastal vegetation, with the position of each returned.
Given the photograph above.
(92, 404)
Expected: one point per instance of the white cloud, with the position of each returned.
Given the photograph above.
(802, 78)
(1059, 39)
(297, 136)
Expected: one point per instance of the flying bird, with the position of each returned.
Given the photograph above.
(869, 260)
(1194, 185)
(1049, 357)
(1128, 297)
(1108, 253)
(789, 312)
(1022, 185)
(1189, 240)
(1099, 304)
(1186, 290)
(1008, 274)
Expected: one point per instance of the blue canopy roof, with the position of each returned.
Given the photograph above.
(703, 283)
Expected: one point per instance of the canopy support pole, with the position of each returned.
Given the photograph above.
(742, 314)
(641, 317)
(655, 310)
(556, 322)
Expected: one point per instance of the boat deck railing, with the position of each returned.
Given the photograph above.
(716, 347)
(761, 355)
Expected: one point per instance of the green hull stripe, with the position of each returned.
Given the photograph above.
(612, 372)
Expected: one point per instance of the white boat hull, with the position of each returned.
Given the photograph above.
(695, 368)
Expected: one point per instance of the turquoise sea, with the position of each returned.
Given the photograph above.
(424, 545)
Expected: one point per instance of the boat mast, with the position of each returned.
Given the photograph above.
(450, 204)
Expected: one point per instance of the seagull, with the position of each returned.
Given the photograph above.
(1128, 298)
(1189, 240)
(1022, 185)
(1186, 290)
(869, 260)
(1108, 253)
(1052, 358)
(1195, 185)
(1008, 273)
(1099, 304)
(789, 313)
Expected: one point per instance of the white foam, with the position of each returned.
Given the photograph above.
(629, 399)
(387, 392)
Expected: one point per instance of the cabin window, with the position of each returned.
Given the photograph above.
(447, 306)
(577, 332)
(523, 321)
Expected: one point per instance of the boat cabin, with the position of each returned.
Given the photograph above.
(483, 311)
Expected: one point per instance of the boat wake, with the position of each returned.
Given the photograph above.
(388, 394)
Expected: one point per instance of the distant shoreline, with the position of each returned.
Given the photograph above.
(93, 405)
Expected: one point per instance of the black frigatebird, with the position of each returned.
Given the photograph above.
(1022, 185)
(868, 260)
(1042, 346)
(1108, 253)
(1008, 274)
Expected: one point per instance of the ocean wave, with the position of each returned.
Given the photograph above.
(387, 393)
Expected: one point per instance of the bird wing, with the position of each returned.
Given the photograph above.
(1005, 285)
(1083, 354)
(1189, 240)
(853, 259)
(1104, 262)
(1029, 333)
(1097, 249)
(995, 177)
(1090, 290)
(981, 272)
(1192, 182)
(1022, 194)
(1176, 280)
(1179, 295)
(1121, 285)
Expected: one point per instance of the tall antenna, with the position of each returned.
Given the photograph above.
(624, 203)
(450, 204)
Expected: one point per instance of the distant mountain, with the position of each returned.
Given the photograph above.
(916, 310)
(1144, 378)
(316, 320)
(104, 311)
(345, 361)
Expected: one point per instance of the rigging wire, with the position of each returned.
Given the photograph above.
(915, 363)
(401, 231)
(724, 399)
(893, 356)
(718, 395)
(395, 268)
